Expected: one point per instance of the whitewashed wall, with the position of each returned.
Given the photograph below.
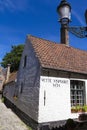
(57, 99)
(56, 104)
(86, 90)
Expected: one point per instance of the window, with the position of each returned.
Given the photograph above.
(77, 93)
(25, 61)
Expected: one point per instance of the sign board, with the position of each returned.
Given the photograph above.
(55, 82)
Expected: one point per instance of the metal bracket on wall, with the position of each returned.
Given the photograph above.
(80, 32)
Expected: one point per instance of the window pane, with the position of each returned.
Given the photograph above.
(77, 92)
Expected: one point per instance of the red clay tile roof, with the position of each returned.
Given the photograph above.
(12, 77)
(59, 56)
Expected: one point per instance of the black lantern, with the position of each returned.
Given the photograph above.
(64, 11)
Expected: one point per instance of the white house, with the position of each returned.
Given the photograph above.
(52, 78)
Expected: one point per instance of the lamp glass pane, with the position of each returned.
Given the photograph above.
(65, 12)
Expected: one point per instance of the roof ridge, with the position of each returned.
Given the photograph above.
(29, 35)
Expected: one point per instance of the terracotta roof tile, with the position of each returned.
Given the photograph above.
(12, 77)
(59, 56)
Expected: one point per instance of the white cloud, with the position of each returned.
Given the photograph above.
(78, 17)
(14, 5)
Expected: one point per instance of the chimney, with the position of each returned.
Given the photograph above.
(8, 72)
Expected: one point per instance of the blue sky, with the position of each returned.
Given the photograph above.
(39, 18)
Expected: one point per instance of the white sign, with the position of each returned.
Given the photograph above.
(55, 82)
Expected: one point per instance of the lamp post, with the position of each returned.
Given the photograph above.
(64, 11)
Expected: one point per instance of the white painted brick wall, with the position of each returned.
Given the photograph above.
(57, 99)
(57, 103)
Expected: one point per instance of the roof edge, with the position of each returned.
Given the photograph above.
(43, 67)
(30, 35)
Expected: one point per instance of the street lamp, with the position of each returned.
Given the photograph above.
(64, 12)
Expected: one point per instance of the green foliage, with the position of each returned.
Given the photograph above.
(29, 128)
(70, 124)
(76, 109)
(2, 99)
(13, 57)
(85, 108)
